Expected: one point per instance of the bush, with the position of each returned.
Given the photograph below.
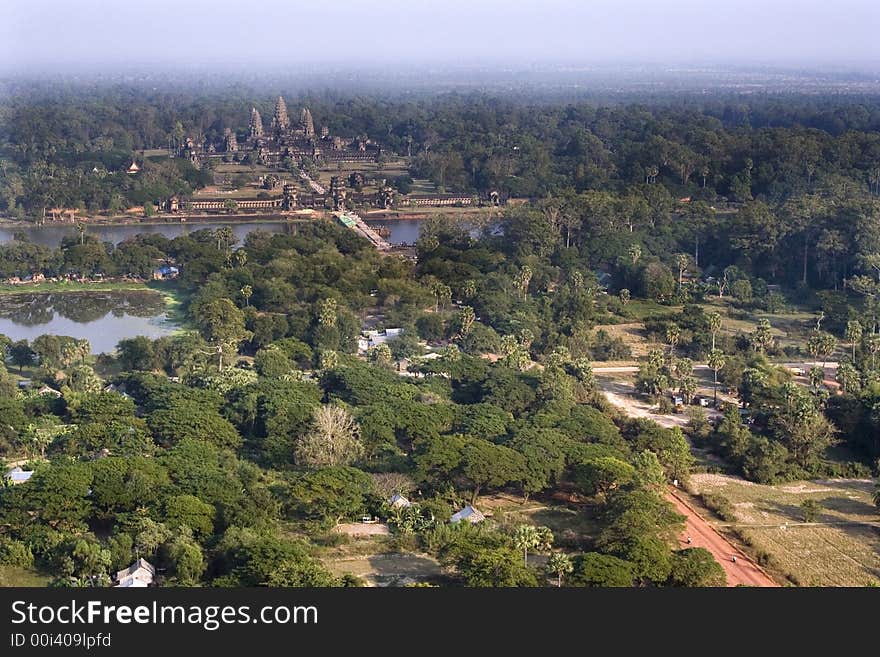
(331, 539)
(664, 405)
(810, 510)
(719, 505)
(15, 553)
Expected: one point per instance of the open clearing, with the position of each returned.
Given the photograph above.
(15, 576)
(387, 569)
(842, 548)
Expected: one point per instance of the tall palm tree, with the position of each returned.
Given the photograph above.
(247, 292)
(529, 537)
(673, 333)
(683, 261)
(716, 362)
(559, 564)
(714, 325)
(225, 237)
(854, 335)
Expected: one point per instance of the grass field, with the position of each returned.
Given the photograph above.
(841, 548)
(573, 526)
(15, 576)
(789, 328)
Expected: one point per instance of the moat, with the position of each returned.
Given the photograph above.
(401, 231)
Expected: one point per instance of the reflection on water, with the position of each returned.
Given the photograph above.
(103, 318)
(402, 231)
(51, 236)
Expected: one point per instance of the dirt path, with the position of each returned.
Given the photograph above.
(703, 535)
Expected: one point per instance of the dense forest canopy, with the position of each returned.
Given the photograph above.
(765, 146)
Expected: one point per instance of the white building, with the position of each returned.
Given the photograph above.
(469, 514)
(371, 338)
(398, 501)
(18, 476)
(138, 574)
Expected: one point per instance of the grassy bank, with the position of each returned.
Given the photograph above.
(75, 286)
(15, 576)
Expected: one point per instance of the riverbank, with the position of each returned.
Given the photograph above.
(175, 220)
(53, 287)
(298, 216)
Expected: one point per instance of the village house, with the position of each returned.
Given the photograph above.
(139, 574)
(46, 390)
(371, 338)
(398, 501)
(17, 476)
(165, 272)
(468, 514)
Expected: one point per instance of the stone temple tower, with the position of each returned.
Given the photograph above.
(281, 121)
(256, 124)
(305, 120)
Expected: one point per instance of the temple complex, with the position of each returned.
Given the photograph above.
(288, 147)
(283, 140)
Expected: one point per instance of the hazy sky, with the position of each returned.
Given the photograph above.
(42, 34)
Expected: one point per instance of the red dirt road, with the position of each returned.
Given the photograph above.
(703, 535)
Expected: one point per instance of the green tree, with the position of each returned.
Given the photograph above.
(821, 345)
(762, 337)
(810, 510)
(715, 323)
(186, 559)
(91, 562)
(466, 318)
(648, 471)
(716, 362)
(522, 279)
(495, 567)
(602, 570)
(673, 333)
(529, 537)
(848, 377)
(682, 261)
(328, 313)
(222, 324)
(331, 494)
(381, 355)
(137, 353)
(189, 511)
(602, 475)
(224, 235)
(247, 292)
(21, 354)
(559, 564)
(854, 333)
(696, 567)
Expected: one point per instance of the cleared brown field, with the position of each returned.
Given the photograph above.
(841, 548)
(387, 569)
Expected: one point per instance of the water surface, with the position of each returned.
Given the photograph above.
(402, 231)
(102, 318)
